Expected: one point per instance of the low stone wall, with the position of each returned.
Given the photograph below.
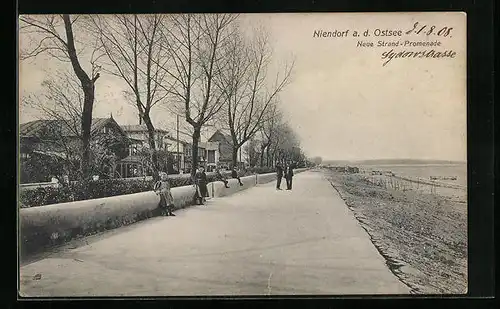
(51, 225)
(217, 189)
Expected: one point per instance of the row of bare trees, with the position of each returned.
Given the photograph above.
(205, 67)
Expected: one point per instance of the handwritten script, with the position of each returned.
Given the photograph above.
(417, 41)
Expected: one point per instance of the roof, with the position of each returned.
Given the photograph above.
(217, 133)
(68, 127)
(175, 140)
(209, 145)
(139, 128)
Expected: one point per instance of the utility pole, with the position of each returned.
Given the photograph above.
(178, 154)
(240, 155)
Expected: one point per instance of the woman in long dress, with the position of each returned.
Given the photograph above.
(201, 182)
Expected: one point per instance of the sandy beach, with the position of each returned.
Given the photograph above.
(422, 235)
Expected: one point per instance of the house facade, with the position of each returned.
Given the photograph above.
(172, 153)
(47, 147)
(178, 149)
(138, 163)
(224, 148)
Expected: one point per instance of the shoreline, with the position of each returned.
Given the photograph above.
(422, 236)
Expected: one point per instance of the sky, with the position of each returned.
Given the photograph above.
(343, 103)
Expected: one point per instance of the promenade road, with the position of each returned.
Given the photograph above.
(257, 242)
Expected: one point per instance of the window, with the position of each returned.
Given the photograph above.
(133, 149)
(160, 144)
(211, 156)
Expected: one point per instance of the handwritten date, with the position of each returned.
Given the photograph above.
(430, 30)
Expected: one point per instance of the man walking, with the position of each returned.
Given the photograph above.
(289, 176)
(279, 175)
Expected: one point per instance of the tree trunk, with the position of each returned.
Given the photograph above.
(262, 148)
(88, 91)
(235, 156)
(86, 125)
(268, 157)
(196, 140)
(152, 146)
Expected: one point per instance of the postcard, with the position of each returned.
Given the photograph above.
(289, 154)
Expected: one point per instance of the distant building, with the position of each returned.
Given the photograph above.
(225, 148)
(211, 154)
(136, 163)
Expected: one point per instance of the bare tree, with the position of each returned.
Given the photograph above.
(197, 52)
(252, 151)
(60, 136)
(249, 93)
(285, 144)
(137, 53)
(268, 131)
(53, 35)
(317, 160)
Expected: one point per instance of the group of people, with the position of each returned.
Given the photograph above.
(162, 188)
(284, 171)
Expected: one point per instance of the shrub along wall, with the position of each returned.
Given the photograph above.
(42, 196)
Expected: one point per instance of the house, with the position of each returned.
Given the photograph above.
(60, 140)
(224, 147)
(210, 154)
(177, 148)
(137, 163)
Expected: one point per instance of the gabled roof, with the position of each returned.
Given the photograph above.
(66, 127)
(140, 128)
(219, 133)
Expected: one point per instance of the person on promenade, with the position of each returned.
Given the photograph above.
(279, 175)
(162, 188)
(221, 177)
(201, 182)
(289, 176)
(234, 174)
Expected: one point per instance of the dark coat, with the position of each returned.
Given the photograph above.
(289, 172)
(279, 171)
(201, 181)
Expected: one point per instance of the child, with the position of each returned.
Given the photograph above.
(234, 174)
(162, 188)
(221, 177)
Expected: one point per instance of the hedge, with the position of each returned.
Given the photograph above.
(107, 187)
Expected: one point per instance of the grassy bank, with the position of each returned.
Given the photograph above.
(422, 236)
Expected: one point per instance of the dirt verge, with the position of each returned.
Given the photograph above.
(423, 237)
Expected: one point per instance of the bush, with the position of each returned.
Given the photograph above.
(80, 191)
